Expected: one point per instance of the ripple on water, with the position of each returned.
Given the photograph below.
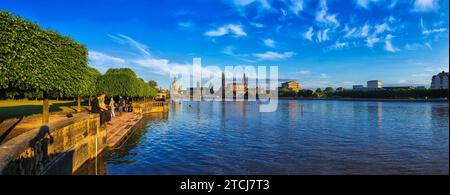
(328, 137)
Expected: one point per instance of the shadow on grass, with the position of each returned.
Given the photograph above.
(29, 110)
(8, 131)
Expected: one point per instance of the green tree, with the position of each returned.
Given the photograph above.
(318, 92)
(32, 59)
(328, 91)
(124, 82)
(306, 93)
(153, 84)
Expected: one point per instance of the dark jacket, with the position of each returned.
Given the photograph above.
(95, 106)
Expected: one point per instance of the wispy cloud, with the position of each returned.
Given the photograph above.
(142, 58)
(323, 17)
(230, 50)
(418, 46)
(433, 31)
(241, 5)
(382, 28)
(425, 5)
(337, 46)
(388, 44)
(187, 25)
(257, 25)
(296, 6)
(103, 61)
(323, 35)
(123, 39)
(271, 55)
(303, 72)
(309, 34)
(370, 41)
(365, 3)
(234, 29)
(269, 43)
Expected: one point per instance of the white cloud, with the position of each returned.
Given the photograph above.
(297, 6)
(425, 5)
(337, 46)
(322, 36)
(365, 30)
(418, 46)
(257, 25)
(309, 34)
(370, 41)
(432, 31)
(304, 72)
(234, 29)
(388, 44)
(323, 17)
(123, 39)
(356, 32)
(270, 55)
(323, 76)
(382, 28)
(349, 32)
(187, 25)
(103, 61)
(101, 57)
(269, 43)
(229, 50)
(241, 5)
(142, 59)
(365, 3)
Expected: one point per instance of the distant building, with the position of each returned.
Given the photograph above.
(440, 81)
(375, 84)
(291, 85)
(339, 89)
(358, 87)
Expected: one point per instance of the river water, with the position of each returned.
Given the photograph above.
(301, 137)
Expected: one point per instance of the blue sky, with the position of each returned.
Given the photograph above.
(316, 42)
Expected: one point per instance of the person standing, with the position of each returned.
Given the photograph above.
(121, 104)
(112, 106)
(127, 104)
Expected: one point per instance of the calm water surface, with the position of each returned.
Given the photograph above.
(301, 137)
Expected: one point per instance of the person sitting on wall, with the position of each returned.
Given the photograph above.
(99, 106)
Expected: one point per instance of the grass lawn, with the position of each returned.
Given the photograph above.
(23, 108)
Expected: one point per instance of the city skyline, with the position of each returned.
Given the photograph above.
(317, 43)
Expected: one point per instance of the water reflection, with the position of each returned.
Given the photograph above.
(301, 137)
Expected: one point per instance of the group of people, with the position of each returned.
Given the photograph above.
(106, 114)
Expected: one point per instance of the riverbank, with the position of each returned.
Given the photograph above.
(368, 99)
(67, 143)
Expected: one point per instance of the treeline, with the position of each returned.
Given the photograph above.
(40, 63)
(329, 92)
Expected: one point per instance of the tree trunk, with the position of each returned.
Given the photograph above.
(45, 110)
(79, 104)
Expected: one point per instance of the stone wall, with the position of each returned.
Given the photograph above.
(151, 107)
(56, 149)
